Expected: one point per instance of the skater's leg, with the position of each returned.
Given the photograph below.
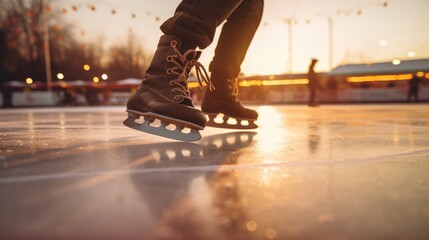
(312, 99)
(235, 38)
(195, 21)
(409, 95)
(163, 94)
(236, 35)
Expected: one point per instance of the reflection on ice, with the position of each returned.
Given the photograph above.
(270, 135)
(305, 173)
(207, 195)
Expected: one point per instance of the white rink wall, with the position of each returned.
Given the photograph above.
(44, 98)
(347, 95)
(34, 98)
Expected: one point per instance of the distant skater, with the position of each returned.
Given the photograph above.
(413, 91)
(313, 83)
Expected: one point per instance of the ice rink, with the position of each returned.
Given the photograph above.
(331, 172)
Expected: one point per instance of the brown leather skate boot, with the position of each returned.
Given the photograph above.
(163, 97)
(224, 100)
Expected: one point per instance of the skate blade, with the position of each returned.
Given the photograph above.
(133, 121)
(225, 124)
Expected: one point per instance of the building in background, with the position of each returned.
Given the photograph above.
(385, 82)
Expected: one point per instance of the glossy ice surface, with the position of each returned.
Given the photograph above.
(331, 172)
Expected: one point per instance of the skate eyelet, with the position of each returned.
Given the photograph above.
(169, 71)
(173, 43)
(169, 58)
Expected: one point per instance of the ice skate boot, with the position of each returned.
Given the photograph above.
(223, 100)
(162, 104)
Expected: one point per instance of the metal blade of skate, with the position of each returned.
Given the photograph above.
(211, 122)
(161, 130)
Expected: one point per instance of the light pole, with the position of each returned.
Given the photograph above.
(46, 46)
(331, 42)
(289, 22)
(330, 39)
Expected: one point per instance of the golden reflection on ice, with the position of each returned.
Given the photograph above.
(269, 116)
(201, 196)
(251, 226)
(396, 136)
(62, 126)
(270, 233)
(266, 176)
(269, 134)
(31, 130)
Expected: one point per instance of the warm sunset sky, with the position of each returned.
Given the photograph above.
(363, 30)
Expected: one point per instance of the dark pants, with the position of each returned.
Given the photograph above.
(312, 99)
(413, 93)
(197, 20)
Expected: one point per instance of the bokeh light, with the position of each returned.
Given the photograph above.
(60, 76)
(86, 67)
(29, 80)
(396, 61)
(383, 43)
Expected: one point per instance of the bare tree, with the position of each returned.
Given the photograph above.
(128, 60)
(21, 22)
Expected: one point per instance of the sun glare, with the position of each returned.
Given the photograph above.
(269, 132)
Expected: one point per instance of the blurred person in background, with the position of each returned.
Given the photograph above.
(313, 83)
(413, 90)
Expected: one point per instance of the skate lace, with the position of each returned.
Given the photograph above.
(233, 86)
(183, 63)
